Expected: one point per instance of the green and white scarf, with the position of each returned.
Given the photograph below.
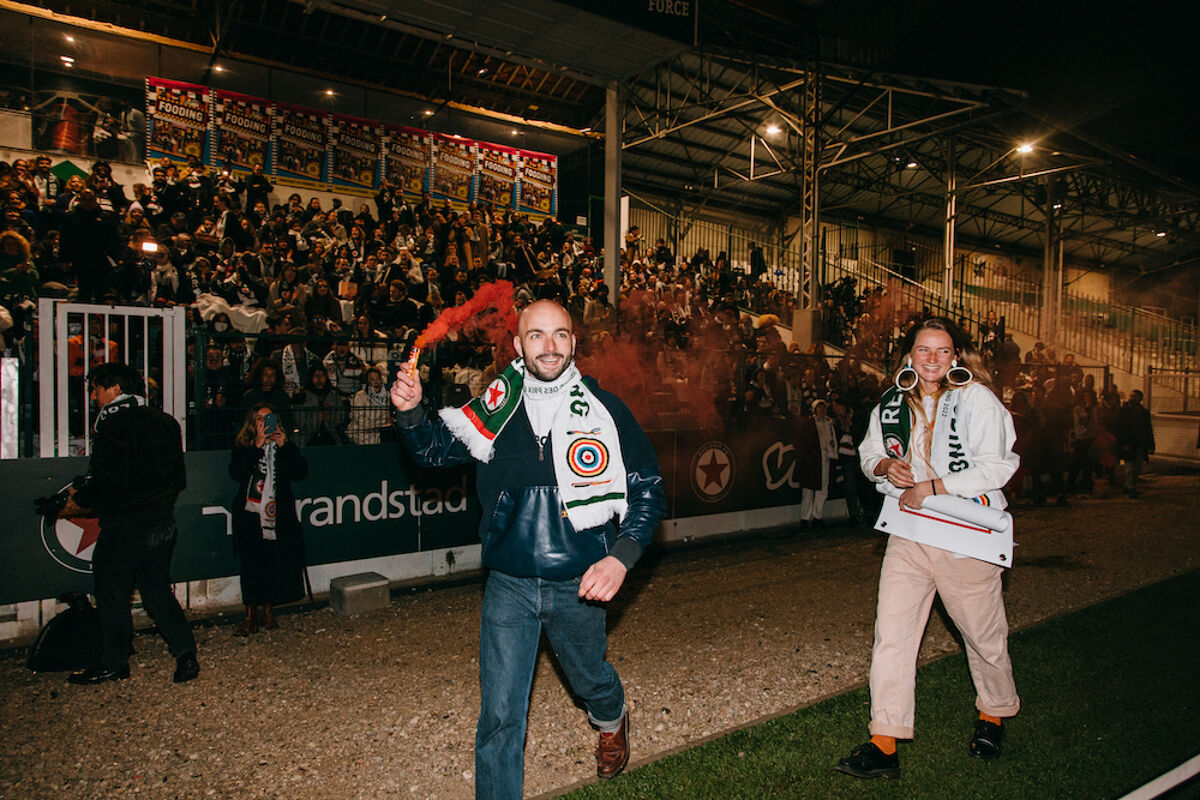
(584, 441)
(949, 450)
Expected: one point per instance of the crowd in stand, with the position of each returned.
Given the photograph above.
(343, 293)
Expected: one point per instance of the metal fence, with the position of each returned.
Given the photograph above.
(1172, 390)
(1127, 337)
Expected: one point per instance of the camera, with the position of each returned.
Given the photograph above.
(50, 505)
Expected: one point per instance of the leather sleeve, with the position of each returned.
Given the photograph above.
(645, 493)
(429, 442)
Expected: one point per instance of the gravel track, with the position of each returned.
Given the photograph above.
(383, 705)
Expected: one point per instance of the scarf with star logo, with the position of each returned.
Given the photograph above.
(584, 443)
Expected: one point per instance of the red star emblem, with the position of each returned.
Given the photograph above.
(90, 529)
(87, 528)
(713, 471)
(495, 395)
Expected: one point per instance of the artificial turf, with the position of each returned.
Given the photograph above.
(1110, 700)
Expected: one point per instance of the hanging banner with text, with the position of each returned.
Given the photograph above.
(177, 120)
(355, 155)
(538, 192)
(497, 175)
(453, 174)
(241, 132)
(301, 138)
(407, 167)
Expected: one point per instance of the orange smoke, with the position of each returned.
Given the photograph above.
(492, 304)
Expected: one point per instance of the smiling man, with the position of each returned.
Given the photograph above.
(559, 459)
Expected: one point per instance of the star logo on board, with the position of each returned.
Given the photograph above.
(495, 394)
(71, 542)
(713, 469)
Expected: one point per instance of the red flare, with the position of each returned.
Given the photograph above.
(491, 301)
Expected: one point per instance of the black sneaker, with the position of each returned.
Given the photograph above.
(94, 675)
(868, 761)
(985, 741)
(186, 668)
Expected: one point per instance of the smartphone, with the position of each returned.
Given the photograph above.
(270, 425)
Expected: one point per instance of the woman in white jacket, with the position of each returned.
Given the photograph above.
(940, 430)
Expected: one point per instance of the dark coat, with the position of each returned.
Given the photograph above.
(136, 470)
(272, 571)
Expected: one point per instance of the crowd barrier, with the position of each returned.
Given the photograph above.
(370, 507)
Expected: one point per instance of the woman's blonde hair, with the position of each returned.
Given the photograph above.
(964, 351)
(22, 243)
(966, 356)
(249, 430)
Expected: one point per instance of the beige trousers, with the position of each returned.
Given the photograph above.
(971, 592)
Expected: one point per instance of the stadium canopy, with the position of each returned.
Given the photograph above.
(737, 123)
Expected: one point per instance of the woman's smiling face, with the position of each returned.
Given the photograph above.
(932, 354)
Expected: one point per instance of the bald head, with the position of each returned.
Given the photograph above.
(545, 339)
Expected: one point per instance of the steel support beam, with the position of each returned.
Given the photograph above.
(810, 224)
(613, 115)
(1051, 277)
(951, 221)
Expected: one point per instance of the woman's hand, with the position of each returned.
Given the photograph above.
(260, 434)
(914, 497)
(898, 472)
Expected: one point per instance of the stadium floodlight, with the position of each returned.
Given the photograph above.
(1024, 148)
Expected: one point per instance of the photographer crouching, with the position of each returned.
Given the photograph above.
(135, 474)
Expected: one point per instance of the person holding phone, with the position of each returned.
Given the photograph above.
(267, 534)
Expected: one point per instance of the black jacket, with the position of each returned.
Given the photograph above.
(137, 468)
(524, 530)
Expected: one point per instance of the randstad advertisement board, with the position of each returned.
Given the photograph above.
(357, 503)
(363, 502)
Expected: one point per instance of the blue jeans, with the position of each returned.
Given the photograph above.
(514, 612)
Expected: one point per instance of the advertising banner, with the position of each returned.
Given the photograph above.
(497, 172)
(300, 155)
(355, 150)
(356, 503)
(453, 173)
(538, 191)
(241, 131)
(362, 502)
(177, 120)
(407, 163)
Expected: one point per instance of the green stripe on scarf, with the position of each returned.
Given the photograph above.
(598, 499)
(895, 422)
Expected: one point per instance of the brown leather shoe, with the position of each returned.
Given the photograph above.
(612, 752)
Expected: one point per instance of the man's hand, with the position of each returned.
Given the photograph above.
(73, 509)
(602, 580)
(406, 390)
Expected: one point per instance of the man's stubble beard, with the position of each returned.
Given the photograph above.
(535, 369)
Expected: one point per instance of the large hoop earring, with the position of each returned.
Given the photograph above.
(906, 378)
(957, 379)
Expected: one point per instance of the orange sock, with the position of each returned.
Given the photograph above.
(990, 718)
(886, 744)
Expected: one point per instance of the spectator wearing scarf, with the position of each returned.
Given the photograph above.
(370, 410)
(267, 534)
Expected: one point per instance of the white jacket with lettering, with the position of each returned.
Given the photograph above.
(987, 435)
